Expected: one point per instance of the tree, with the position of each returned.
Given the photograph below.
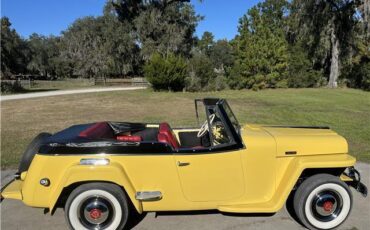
(329, 29)
(43, 54)
(163, 26)
(356, 70)
(206, 42)
(14, 50)
(83, 42)
(301, 73)
(221, 54)
(364, 7)
(261, 47)
(122, 51)
(100, 46)
(201, 72)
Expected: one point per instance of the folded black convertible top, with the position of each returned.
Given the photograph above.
(123, 127)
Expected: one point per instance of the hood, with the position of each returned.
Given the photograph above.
(294, 140)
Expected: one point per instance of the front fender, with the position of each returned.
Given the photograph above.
(298, 164)
(290, 172)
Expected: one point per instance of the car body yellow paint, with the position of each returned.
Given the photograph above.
(13, 190)
(257, 178)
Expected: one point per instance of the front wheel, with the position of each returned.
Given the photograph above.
(97, 206)
(322, 202)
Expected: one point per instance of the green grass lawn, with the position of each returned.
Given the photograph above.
(346, 111)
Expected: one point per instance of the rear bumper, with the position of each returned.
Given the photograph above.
(12, 190)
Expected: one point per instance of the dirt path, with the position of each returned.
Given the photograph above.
(65, 92)
(15, 215)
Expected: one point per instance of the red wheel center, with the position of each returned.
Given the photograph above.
(95, 213)
(328, 206)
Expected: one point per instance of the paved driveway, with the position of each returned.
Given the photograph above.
(14, 215)
(65, 92)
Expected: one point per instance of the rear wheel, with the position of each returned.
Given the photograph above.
(97, 206)
(322, 202)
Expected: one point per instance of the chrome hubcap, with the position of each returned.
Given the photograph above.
(326, 205)
(96, 212)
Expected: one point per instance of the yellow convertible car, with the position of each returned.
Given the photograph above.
(102, 172)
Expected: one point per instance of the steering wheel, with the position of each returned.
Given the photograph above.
(204, 128)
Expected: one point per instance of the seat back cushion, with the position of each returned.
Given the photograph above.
(166, 135)
(97, 131)
(163, 138)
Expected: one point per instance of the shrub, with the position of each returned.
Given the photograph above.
(217, 84)
(8, 87)
(166, 73)
(201, 73)
(192, 83)
(358, 76)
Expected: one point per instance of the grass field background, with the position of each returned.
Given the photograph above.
(346, 111)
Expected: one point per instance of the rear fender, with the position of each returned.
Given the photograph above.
(113, 173)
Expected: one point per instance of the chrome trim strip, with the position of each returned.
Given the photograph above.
(148, 195)
(94, 161)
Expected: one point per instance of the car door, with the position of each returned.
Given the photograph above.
(216, 176)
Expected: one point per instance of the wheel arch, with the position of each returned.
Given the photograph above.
(62, 199)
(308, 172)
(78, 175)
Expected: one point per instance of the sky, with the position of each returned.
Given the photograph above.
(50, 17)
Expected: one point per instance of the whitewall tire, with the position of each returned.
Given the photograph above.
(322, 202)
(97, 206)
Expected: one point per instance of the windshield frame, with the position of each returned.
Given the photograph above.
(230, 114)
(225, 111)
(235, 130)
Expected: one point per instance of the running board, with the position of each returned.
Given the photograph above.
(267, 207)
(148, 195)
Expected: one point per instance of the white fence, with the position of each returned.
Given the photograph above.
(79, 82)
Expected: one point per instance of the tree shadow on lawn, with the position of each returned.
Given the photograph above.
(39, 90)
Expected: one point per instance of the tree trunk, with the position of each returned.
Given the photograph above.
(334, 65)
(366, 13)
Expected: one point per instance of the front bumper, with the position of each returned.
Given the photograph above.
(356, 181)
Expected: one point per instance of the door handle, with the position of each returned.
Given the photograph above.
(181, 164)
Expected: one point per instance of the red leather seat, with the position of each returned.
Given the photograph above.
(97, 131)
(166, 135)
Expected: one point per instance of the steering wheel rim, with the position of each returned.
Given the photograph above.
(204, 128)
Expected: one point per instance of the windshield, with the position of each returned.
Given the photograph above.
(231, 116)
(220, 127)
(218, 130)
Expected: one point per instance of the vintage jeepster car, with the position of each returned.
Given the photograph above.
(102, 172)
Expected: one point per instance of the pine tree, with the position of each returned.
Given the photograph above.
(261, 47)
